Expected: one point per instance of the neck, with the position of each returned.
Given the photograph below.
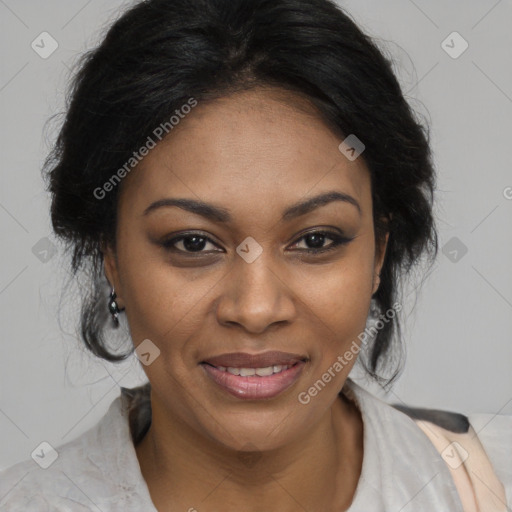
(322, 468)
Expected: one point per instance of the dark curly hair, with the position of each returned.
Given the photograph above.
(160, 53)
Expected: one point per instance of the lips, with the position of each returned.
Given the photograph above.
(244, 360)
(255, 377)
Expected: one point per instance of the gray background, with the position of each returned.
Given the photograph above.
(459, 347)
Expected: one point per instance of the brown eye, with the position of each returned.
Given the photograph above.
(188, 243)
(195, 243)
(315, 241)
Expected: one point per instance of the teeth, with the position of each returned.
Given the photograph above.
(249, 372)
(265, 372)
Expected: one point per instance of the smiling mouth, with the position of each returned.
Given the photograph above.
(254, 377)
(261, 361)
(250, 372)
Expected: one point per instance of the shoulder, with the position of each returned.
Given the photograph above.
(495, 433)
(97, 471)
(70, 477)
(398, 460)
(29, 486)
(468, 456)
(481, 443)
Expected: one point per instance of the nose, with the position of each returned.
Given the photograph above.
(255, 296)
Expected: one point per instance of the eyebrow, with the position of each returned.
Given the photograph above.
(221, 215)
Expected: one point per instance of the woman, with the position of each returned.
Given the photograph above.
(249, 181)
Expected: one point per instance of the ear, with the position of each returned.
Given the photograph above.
(111, 270)
(380, 253)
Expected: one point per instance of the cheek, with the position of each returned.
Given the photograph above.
(338, 299)
(341, 291)
(160, 301)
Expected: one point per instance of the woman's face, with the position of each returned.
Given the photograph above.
(243, 281)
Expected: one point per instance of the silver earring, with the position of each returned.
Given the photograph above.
(113, 307)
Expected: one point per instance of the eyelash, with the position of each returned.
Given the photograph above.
(337, 241)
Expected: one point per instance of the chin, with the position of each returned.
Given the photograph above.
(254, 431)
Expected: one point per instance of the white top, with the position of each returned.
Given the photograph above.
(402, 471)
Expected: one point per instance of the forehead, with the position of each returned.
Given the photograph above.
(263, 146)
